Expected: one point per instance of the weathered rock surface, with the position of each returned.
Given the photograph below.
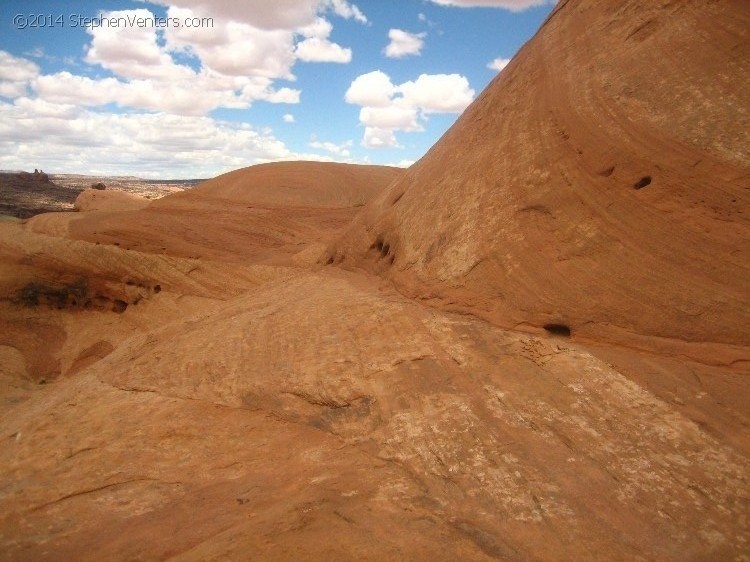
(600, 182)
(210, 393)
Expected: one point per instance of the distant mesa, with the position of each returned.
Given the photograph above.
(36, 178)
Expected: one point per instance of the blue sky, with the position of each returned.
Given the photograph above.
(370, 81)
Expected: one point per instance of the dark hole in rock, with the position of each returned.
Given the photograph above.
(119, 306)
(558, 330)
(157, 288)
(643, 182)
(385, 249)
(329, 261)
(378, 244)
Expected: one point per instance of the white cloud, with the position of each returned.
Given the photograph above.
(393, 117)
(169, 80)
(262, 14)
(335, 149)
(12, 89)
(387, 108)
(288, 118)
(68, 139)
(512, 5)
(15, 75)
(147, 76)
(132, 51)
(198, 96)
(15, 69)
(404, 43)
(235, 62)
(375, 137)
(438, 93)
(347, 11)
(314, 49)
(317, 47)
(373, 89)
(234, 49)
(277, 15)
(498, 64)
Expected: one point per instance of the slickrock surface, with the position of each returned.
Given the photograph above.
(601, 182)
(92, 199)
(200, 379)
(235, 217)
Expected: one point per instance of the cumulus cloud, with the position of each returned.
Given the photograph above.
(387, 108)
(234, 48)
(194, 97)
(393, 117)
(512, 5)
(15, 75)
(498, 64)
(373, 89)
(148, 78)
(317, 47)
(35, 131)
(132, 51)
(277, 15)
(234, 62)
(38, 133)
(376, 137)
(438, 93)
(15, 69)
(347, 11)
(404, 43)
(169, 80)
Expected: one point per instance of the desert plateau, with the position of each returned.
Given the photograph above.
(531, 344)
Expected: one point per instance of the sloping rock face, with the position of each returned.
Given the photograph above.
(600, 183)
(319, 416)
(296, 184)
(92, 199)
(256, 213)
(183, 382)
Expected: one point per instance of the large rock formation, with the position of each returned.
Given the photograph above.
(212, 394)
(300, 184)
(600, 183)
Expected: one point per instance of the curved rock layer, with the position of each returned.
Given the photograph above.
(258, 213)
(321, 417)
(183, 382)
(294, 184)
(600, 185)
